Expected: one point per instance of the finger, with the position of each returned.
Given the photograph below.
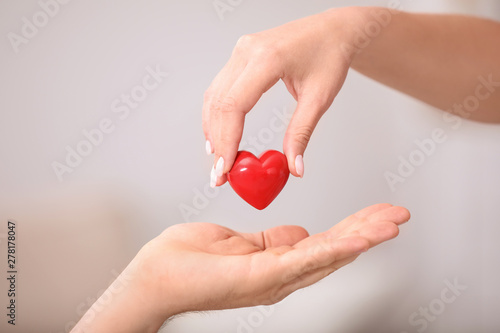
(317, 275)
(299, 132)
(305, 280)
(228, 114)
(398, 215)
(221, 84)
(372, 215)
(321, 254)
(315, 271)
(365, 212)
(379, 232)
(227, 119)
(352, 222)
(288, 266)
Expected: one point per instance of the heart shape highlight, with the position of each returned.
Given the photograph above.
(258, 181)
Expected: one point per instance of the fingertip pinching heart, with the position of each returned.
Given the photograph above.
(258, 181)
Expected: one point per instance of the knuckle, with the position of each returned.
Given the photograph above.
(245, 41)
(268, 57)
(268, 51)
(302, 135)
(259, 49)
(227, 105)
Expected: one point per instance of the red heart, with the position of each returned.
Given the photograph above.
(259, 180)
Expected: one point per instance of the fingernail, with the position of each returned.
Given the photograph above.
(213, 178)
(299, 165)
(219, 169)
(208, 147)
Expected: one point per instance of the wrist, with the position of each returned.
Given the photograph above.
(128, 306)
(150, 286)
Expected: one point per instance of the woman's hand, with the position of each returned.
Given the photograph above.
(447, 61)
(309, 55)
(203, 266)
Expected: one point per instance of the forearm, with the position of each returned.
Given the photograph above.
(435, 58)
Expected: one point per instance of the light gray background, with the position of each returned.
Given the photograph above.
(75, 235)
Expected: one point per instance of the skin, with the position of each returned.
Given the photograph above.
(203, 266)
(435, 58)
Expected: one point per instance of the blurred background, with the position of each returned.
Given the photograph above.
(81, 219)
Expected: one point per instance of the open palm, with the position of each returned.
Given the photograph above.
(204, 266)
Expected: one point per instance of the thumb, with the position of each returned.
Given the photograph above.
(299, 132)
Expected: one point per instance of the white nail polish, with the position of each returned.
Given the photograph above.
(299, 165)
(213, 178)
(219, 169)
(208, 147)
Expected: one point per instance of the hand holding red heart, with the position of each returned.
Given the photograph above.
(308, 61)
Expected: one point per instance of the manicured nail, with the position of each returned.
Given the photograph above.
(219, 169)
(299, 165)
(213, 178)
(208, 147)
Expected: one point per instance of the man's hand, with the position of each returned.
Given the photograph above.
(203, 266)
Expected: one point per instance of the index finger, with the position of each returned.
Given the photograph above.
(227, 115)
